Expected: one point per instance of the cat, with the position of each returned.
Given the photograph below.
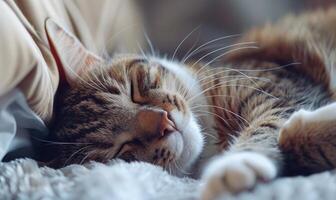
(265, 110)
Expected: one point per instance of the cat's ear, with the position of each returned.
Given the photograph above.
(72, 58)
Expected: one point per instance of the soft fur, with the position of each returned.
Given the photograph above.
(163, 112)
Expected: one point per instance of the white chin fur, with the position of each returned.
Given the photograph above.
(192, 141)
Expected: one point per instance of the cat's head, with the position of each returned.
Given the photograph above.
(132, 107)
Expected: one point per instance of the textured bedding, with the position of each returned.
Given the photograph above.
(27, 64)
(23, 179)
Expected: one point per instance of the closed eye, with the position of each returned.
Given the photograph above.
(127, 146)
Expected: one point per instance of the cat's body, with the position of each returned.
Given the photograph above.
(167, 113)
(251, 101)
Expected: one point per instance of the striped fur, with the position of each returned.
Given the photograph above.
(244, 101)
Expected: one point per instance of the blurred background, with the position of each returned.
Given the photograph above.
(168, 22)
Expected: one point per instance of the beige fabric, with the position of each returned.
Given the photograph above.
(25, 58)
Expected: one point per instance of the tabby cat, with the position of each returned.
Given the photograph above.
(267, 109)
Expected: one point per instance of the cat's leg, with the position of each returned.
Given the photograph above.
(308, 140)
(252, 158)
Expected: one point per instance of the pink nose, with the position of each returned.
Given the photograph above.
(166, 125)
(150, 121)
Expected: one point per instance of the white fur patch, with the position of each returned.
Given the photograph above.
(325, 113)
(232, 173)
(192, 139)
(181, 73)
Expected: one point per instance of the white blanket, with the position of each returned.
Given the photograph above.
(23, 179)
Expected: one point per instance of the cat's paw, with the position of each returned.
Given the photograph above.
(294, 123)
(304, 122)
(233, 173)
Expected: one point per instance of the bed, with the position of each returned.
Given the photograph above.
(24, 179)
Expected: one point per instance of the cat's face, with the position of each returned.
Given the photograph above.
(133, 108)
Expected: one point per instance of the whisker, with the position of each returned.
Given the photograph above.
(150, 44)
(230, 76)
(184, 39)
(223, 54)
(73, 154)
(211, 113)
(58, 143)
(211, 41)
(208, 48)
(211, 136)
(220, 49)
(222, 95)
(97, 80)
(180, 169)
(250, 87)
(192, 47)
(85, 157)
(222, 108)
(270, 69)
(225, 85)
(142, 51)
(249, 77)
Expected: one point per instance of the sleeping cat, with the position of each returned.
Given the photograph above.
(232, 121)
